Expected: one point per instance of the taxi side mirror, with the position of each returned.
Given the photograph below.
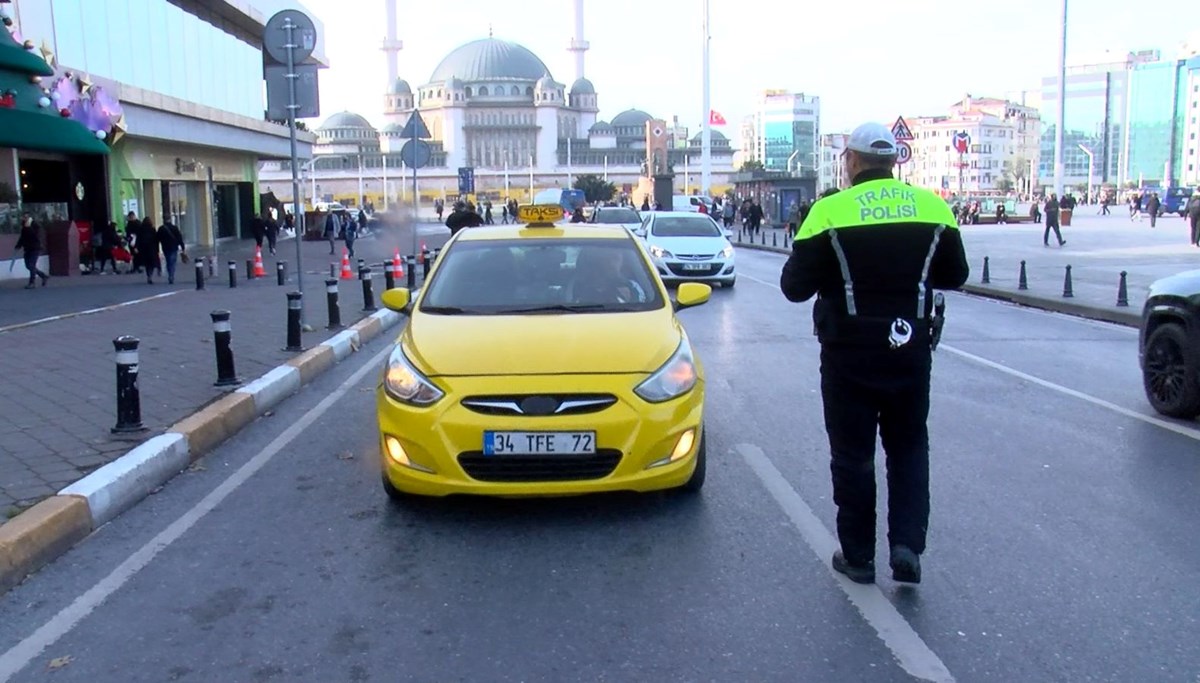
(691, 294)
(398, 299)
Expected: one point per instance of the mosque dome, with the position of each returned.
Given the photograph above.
(583, 86)
(631, 118)
(346, 119)
(490, 59)
(400, 87)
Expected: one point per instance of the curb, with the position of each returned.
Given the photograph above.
(1131, 318)
(45, 531)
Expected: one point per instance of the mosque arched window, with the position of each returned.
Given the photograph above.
(529, 91)
(468, 91)
(516, 91)
(483, 91)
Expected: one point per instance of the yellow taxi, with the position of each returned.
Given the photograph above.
(542, 360)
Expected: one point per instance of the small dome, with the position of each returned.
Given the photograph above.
(393, 128)
(583, 87)
(454, 84)
(346, 119)
(401, 87)
(631, 118)
(546, 83)
(714, 135)
(601, 128)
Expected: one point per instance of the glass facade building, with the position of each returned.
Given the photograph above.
(1096, 100)
(788, 131)
(1158, 109)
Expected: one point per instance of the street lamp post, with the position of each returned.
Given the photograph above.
(1062, 106)
(1091, 166)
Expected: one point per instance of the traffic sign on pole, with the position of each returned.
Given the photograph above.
(903, 153)
(466, 180)
(901, 130)
(962, 142)
(415, 128)
(415, 154)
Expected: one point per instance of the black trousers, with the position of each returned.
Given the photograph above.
(1051, 225)
(886, 392)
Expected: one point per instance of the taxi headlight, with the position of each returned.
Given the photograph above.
(405, 383)
(727, 252)
(658, 252)
(676, 377)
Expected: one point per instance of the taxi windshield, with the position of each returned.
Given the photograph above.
(495, 277)
(686, 226)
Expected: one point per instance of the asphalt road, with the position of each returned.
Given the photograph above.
(1063, 545)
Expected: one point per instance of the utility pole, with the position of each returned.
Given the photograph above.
(1062, 106)
(706, 127)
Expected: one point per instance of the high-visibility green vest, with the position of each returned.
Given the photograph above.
(876, 203)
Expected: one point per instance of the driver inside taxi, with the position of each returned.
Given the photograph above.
(600, 277)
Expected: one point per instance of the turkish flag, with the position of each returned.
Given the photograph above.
(715, 119)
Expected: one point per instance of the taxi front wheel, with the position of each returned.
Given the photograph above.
(696, 482)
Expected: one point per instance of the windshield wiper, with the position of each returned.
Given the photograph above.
(447, 310)
(566, 308)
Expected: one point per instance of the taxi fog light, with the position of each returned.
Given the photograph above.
(683, 446)
(396, 452)
(676, 377)
(405, 383)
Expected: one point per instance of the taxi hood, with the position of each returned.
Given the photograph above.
(575, 343)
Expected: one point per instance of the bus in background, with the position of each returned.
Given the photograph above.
(1172, 199)
(569, 200)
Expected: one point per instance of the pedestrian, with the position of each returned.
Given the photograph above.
(1193, 215)
(462, 217)
(109, 240)
(877, 340)
(1152, 207)
(272, 230)
(487, 213)
(351, 235)
(146, 254)
(1052, 221)
(1035, 211)
(30, 243)
(170, 239)
(439, 206)
(331, 230)
(258, 228)
(132, 226)
(793, 220)
(755, 217)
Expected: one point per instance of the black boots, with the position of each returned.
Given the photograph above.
(858, 573)
(906, 565)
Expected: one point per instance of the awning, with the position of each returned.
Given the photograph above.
(36, 130)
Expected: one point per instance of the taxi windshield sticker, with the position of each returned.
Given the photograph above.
(539, 213)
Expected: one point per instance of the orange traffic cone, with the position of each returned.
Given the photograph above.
(346, 274)
(397, 265)
(259, 271)
(421, 254)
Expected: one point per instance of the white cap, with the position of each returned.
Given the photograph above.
(874, 139)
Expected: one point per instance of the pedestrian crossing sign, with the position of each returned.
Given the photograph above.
(901, 130)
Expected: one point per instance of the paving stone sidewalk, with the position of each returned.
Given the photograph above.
(60, 402)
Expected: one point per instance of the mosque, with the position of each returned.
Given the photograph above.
(493, 106)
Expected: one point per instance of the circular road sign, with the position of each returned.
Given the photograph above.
(903, 152)
(303, 35)
(415, 154)
(962, 142)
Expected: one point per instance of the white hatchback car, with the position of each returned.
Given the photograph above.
(688, 247)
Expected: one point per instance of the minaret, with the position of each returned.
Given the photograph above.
(392, 45)
(578, 45)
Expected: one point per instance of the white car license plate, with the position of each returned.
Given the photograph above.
(695, 266)
(539, 443)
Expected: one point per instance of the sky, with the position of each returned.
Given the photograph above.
(865, 59)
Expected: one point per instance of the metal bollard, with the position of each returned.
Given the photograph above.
(425, 264)
(1123, 291)
(249, 269)
(212, 266)
(1022, 282)
(774, 242)
(364, 274)
(389, 276)
(129, 402)
(410, 262)
(222, 337)
(361, 264)
(333, 271)
(1068, 291)
(294, 306)
(281, 273)
(987, 273)
(199, 273)
(233, 273)
(331, 298)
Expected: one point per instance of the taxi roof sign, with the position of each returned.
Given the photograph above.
(539, 215)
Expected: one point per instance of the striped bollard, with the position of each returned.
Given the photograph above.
(222, 342)
(129, 402)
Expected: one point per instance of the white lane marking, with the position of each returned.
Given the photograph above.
(89, 311)
(761, 282)
(1180, 429)
(913, 655)
(1175, 427)
(62, 623)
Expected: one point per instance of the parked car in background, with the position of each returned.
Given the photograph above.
(1169, 345)
(688, 247)
(617, 215)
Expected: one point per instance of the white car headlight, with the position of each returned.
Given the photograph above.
(676, 377)
(405, 383)
(658, 252)
(727, 252)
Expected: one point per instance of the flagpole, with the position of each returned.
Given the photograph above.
(706, 129)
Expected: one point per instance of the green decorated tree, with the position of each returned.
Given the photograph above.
(595, 188)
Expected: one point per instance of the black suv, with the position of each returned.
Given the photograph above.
(1169, 345)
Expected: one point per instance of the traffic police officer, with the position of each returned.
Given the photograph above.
(872, 253)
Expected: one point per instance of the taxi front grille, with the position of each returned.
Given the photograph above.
(530, 468)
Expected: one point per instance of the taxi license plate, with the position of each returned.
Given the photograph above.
(539, 443)
(695, 266)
